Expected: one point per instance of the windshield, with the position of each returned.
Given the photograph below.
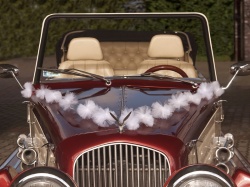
(109, 46)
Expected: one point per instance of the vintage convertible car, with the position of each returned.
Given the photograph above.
(129, 100)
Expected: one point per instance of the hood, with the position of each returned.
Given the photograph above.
(68, 123)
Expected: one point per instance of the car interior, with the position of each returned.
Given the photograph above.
(113, 57)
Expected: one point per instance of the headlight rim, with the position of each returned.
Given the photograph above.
(50, 173)
(203, 169)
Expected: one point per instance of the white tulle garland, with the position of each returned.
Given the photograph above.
(140, 115)
(51, 96)
(143, 114)
(99, 115)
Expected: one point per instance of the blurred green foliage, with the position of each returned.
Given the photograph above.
(21, 20)
(220, 14)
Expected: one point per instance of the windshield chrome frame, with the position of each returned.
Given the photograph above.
(200, 16)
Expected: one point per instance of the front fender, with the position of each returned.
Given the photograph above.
(5, 177)
(241, 178)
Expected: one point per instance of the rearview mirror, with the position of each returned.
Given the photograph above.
(8, 71)
(243, 69)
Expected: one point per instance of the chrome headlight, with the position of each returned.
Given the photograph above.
(43, 177)
(200, 176)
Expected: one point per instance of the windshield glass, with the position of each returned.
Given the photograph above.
(111, 46)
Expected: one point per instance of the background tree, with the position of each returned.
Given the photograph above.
(20, 20)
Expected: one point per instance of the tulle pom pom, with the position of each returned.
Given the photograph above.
(103, 118)
(144, 115)
(205, 91)
(52, 96)
(28, 89)
(68, 101)
(162, 111)
(218, 91)
(87, 110)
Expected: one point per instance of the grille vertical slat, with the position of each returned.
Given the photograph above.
(88, 170)
(77, 172)
(138, 166)
(154, 161)
(99, 166)
(132, 167)
(149, 169)
(104, 167)
(143, 168)
(110, 168)
(160, 171)
(121, 165)
(165, 166)
(93, 168)
(127, 168)
(116, 166)
(83, 171)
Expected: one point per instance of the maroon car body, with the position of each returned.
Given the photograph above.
(94, 125)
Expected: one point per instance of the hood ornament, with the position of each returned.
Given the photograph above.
(121, 125)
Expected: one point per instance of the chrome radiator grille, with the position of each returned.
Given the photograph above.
(121, 165)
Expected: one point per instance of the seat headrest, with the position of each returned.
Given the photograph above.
(165, 46)
(85, 48)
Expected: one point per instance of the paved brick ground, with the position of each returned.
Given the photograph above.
(13, 112)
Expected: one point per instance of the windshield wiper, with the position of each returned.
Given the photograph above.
(77, 72)
(156, 75)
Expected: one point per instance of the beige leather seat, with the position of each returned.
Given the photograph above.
(167, 49)
(85, 54)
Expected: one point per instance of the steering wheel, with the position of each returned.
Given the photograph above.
(167, 67)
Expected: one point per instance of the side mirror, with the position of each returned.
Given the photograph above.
(243, 69)
(8, 71)
(238, 69)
